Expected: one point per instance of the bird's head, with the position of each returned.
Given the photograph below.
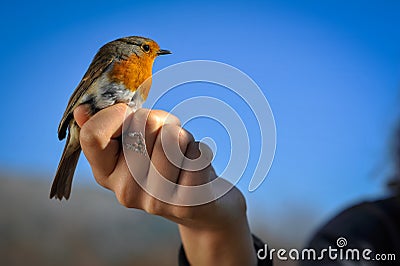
(142, 47)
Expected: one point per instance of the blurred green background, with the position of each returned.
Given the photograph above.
(330, 70)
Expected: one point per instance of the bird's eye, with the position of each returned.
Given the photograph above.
(146, 48)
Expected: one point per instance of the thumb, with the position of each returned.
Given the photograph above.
(82, 114)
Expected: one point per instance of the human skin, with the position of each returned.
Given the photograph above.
(216, 233)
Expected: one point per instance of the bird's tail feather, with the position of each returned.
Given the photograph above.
(65, 172)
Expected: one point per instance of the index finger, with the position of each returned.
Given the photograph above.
(99, 140)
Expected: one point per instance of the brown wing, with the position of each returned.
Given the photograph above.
(101, 61)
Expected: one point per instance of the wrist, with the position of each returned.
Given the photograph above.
(228, 245)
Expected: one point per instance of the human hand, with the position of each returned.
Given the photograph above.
(215, 233)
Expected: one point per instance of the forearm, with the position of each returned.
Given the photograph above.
(231, 245)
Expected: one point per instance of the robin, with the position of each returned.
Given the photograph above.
(117, 74)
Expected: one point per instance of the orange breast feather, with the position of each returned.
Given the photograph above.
(132, 73)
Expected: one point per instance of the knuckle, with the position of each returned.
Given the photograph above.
(171, 119)
(148, 120)
(124, 196)
(165, 117)
(90, 136)
(101, 180)
(185, 138)
(153, 206)
(153, 122)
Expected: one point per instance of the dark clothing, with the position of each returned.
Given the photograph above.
(258, 244)
(370, 225)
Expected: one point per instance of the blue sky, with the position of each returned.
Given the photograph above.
(329, 69)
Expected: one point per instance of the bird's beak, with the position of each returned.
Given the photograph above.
(162, 52)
